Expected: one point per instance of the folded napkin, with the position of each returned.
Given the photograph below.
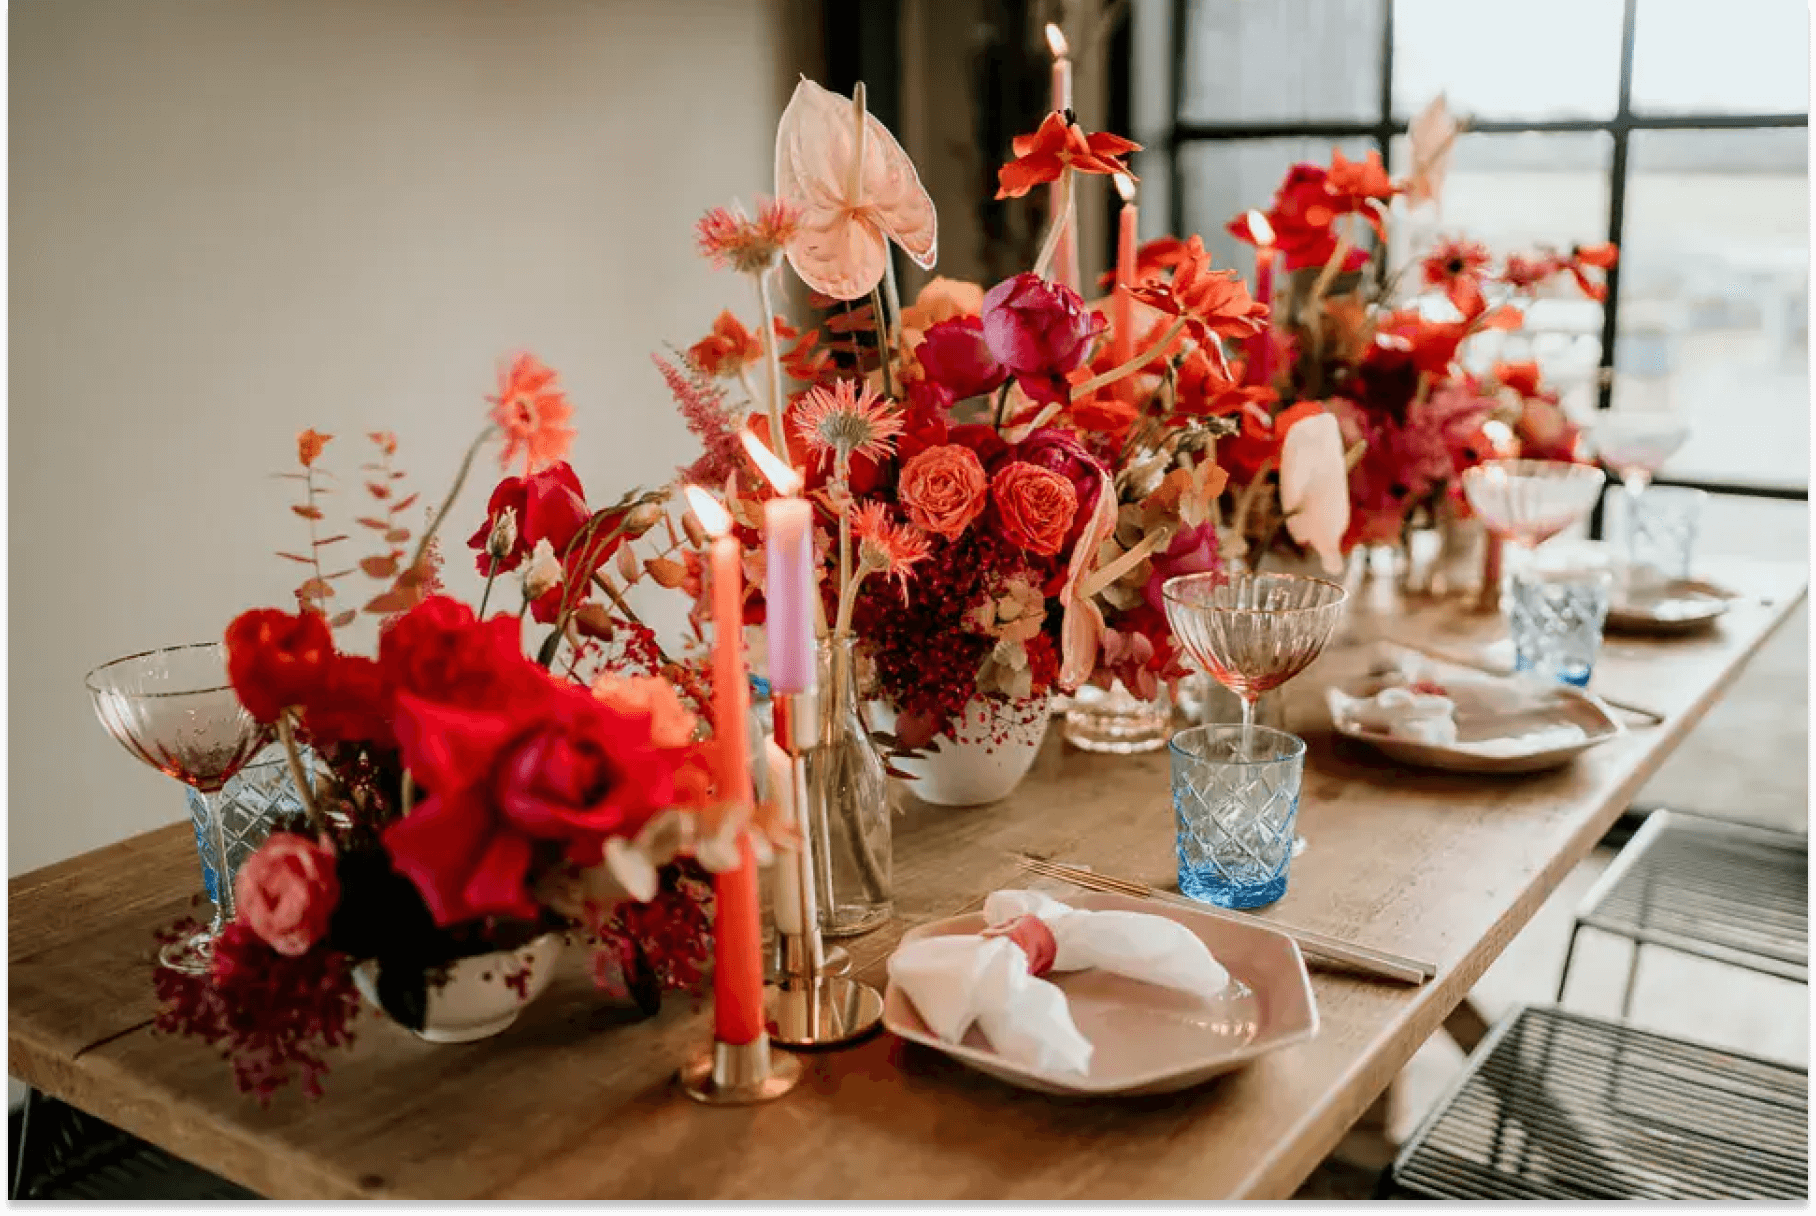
(1424, 701)
(1423, 717)
(993, 979)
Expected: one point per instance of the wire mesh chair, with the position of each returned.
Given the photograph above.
(1730, 892)
(60, 1152)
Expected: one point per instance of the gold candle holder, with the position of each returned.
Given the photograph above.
(808, 1006)
(739, 1074)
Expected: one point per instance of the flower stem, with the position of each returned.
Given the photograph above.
(1133, 365)
(1056, 231)
(777, 440)
(286, 733)
(491, 576)
(447, 504)
(1002, 403)
(882, 339)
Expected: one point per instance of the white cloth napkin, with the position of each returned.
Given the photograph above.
(960, 979)
(1400, 712)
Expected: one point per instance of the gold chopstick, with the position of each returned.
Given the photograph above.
(1378, 963)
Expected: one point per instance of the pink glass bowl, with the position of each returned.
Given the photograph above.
(1530, 501)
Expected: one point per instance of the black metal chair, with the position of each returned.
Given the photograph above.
(60, 1152)
(1559, 1105)
(1730, 892)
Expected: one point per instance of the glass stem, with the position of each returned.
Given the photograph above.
(223, 885)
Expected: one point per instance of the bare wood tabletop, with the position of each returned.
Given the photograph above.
(577, 1099)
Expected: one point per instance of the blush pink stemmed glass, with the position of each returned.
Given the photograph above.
(1252, 632)
(175, 710)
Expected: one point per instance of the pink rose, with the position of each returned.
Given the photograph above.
(955, 356)
(287, 892)
(1035, 505)
(1193, 551)
(1039, 331)
(943, 489)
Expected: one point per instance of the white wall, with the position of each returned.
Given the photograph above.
(235, 218)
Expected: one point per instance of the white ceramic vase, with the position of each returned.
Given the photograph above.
(991, 749)
(478, 999)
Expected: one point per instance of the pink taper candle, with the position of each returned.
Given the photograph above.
(1122, 325)
(1265, 253)
(1065, 256)
(788, 586)
(737, 937)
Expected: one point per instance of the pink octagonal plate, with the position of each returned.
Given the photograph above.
(1147, 1039)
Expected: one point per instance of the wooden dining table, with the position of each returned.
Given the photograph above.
(578, 1098)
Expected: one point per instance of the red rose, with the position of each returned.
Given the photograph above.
(441, 652)
(1035, 505)
(287, 891)
(1050, 448)
(1039, 331)
(943, 489)
(549, 505)
(955, 356)
(350, 705)
(275, 660)
(554, 767)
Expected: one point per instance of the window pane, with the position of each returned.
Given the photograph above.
(1514, 194)
(1714, 309)
(1533, 59)
(1222, 178)
(1282, 60)
(1747, 57)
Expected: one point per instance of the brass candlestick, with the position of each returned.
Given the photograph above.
(739, 1074)
(807, 1006)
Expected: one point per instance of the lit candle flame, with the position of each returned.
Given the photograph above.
(779, 474)
(713, 517)
(1125, 186)
(1056, 40)
(1260, 229)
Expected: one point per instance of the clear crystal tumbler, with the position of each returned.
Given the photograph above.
(1555, 615)
(1236, 797)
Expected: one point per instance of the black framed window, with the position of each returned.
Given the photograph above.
(1677, 131)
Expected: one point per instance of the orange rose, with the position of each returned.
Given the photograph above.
(1036, 506)
(943, 489)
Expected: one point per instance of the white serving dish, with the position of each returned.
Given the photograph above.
(1148, 1039)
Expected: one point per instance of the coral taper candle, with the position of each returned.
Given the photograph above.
(737, 938)
(1122, 324)
(1265, 253)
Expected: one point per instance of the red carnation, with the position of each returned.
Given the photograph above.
(276, 659)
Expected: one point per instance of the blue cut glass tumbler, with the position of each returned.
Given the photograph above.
(1236, 797)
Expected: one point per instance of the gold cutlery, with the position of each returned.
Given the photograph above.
(1351, 957)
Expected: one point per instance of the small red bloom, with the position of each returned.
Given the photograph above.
(1304, 219)
(955, 355)
(1457, 265)
(441, 652)
(286, 892)
(276, 660)
(1035, 506)
(1039, 331)
(1060, 144)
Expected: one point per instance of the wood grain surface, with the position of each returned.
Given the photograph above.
(577, 1099)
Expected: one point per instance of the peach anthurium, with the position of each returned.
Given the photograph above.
(856, 190)
(1314, 486)
(1083, 625)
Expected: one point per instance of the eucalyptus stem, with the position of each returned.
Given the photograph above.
(1133, 365)
(447, 504)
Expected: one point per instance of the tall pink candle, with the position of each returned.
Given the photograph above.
(1065, 257)
(788, 590)
(1265, 253)
(1122, 338)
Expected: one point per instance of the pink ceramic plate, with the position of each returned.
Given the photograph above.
(1147, 1039)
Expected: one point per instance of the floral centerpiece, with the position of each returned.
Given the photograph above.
(471, 797)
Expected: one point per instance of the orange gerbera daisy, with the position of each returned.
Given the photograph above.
(847, 420)
(1059, 145)
(886, 547)
(729, 239)
(1210, 301)
(532, 412)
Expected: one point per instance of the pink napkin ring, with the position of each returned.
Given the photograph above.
(1034, 937)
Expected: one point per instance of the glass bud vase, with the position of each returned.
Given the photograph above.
(848, 800)
(1117, 721)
